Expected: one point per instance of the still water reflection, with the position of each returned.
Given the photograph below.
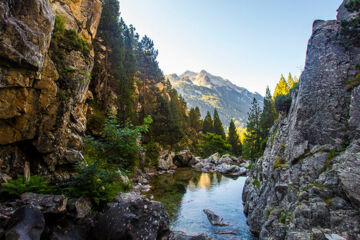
(186, 193)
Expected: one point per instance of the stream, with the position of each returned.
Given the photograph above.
(186, 193)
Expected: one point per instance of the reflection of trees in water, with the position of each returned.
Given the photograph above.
(169, 189)
(204, 181)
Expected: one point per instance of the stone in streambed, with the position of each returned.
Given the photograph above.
(214, 219)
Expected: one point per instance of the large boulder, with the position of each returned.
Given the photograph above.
(183, 158)
(27, 223)
(166, 160)
(132, 216)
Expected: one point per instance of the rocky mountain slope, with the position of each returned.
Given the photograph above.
(306, 185)
(208, 92)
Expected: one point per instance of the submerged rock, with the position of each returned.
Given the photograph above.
(177, 235)
(214, 219)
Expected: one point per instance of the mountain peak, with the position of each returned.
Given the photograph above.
(208, 91)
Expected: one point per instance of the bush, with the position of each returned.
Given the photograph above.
(283, 103)
(211, 143)
(119, 146)
(280, 163)
(99, 182)
(16, 187)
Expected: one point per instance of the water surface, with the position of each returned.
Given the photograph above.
(186, 193)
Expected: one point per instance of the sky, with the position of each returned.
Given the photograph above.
(251, 43)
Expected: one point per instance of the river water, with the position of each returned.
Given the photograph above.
(186, 193)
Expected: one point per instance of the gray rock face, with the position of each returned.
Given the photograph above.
(132, 216)
(305, 185)
(26, 35)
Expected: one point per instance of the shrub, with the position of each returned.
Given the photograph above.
(119, 146)
(283, 103)
(16, 187)
(99, 182)
(211, 143)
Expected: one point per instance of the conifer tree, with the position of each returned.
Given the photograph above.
(267, 118)
(234, 140)
(208, 126)
(194, 119)
(251, 148)
(281, 88)
(290, 82)
(218, 127)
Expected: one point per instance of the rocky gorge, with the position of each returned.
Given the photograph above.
(306, 184)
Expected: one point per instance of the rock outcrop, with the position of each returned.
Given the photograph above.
(43, 93)
(306, 184)
(132, 216)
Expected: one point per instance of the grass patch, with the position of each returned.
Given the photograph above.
(280, 163)
(351, 83)
(331, 155)
(268, 212)
(256, 183)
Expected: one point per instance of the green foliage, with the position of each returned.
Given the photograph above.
(194, 119)
(120, 146)
(283, 103)
(208, 126)
(66, 40)
(99, 181)
(252, 142)
(268, 212)
(351, 83)
(211, 143)
(152, 155)
(16, 187)
(280, 163)
(97, 119)
(218, 127)
(256, 183)
(234, 140)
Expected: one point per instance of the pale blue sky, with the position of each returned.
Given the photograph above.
(248, 42)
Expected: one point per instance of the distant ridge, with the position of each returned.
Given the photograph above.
(208, 91)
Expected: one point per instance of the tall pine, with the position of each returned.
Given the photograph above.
(234, 140)
(267, 118)
(252, 142)
(218, 127)
(208, 126)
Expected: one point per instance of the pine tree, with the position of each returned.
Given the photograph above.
(290, 81)
(281, 88)
(208, 126)
(267, 118)
(218, 127)
(251, 148)
(194, 119)
(234, 140)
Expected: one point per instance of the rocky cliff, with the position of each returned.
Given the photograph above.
(46, 60)
(306, 184)
(207, 92)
